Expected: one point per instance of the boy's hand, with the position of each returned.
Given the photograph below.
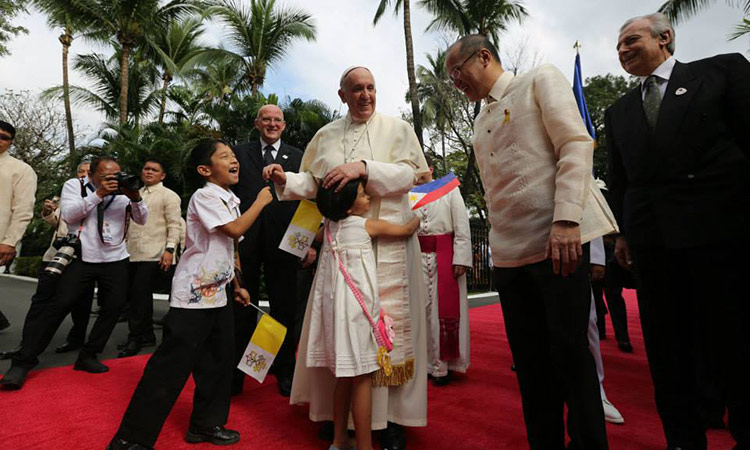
(242, 296)
(264, 196)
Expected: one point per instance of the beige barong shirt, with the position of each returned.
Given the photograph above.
(535, 158)
(17, 195)
(394, 158)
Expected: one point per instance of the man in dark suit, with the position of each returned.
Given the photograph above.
(260, 248)
(679, 156)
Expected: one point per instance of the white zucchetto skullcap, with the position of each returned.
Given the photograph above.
(347, 71)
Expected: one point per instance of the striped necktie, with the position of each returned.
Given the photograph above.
(268, 155)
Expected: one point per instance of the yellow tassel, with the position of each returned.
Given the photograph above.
(399, 376)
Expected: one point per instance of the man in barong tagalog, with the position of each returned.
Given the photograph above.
(383, 150)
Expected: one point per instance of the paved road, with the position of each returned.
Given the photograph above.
(15, 296)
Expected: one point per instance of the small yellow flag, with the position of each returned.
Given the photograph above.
(301, 232)
(262, 348)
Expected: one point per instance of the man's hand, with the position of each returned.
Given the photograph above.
(597, 272)
(344, 173)
(310, 257)
(275, 173)
(7, 253)
(107, 187)
(622, 253)
(166, 261)
(564, 247)
(459, 270)
(49, 207)
(242, 296)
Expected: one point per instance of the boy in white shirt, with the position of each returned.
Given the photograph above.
(199, 328)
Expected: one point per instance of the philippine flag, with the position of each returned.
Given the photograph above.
(429, 192)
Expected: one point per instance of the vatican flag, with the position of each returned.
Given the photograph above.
(301, 232)
(263, 347)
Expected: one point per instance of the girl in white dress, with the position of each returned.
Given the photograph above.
(340, 335)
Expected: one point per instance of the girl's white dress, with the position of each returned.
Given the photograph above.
(340, 336)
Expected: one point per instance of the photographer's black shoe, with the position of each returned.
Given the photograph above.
(14, 378)
(4, 322)
(7, 354)
(89, 364)
(217, 435)
(122, 444)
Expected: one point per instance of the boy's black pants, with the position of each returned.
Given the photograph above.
(198, 342)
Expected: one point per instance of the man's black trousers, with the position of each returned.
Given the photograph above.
(65, 293)
(546, 321)
(144, 276)
(197, 342)
(691, 301)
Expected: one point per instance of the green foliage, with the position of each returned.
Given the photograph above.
(27, 266)
(488, 17)
(601, 91)
(681, 10)
(8, 11)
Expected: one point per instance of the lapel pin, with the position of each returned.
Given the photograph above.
(285, 156)
(507, 116)
(680, 91)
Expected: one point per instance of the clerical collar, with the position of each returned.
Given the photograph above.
(350, 120)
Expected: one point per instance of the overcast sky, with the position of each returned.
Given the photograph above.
(346, 37)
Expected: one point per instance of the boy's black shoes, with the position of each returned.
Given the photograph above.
(217, 435)
(122, 444)
(14, 378)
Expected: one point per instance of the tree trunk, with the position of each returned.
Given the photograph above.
(163, 107)
(124, 60)
(66, 39)
(442, 143)
(416, 114)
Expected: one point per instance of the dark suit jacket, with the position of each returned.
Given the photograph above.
(262, 239)
(688, 183)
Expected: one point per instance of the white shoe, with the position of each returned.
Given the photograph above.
(611, 414)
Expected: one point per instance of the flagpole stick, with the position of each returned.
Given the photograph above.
(577, 46)
(258, 308)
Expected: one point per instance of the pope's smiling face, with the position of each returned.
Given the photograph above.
(358, 92)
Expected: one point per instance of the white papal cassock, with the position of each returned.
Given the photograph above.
(444, 216)
(394, 158)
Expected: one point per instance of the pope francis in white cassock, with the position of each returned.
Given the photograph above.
(385, 151)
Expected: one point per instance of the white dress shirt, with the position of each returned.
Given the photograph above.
(207, 266)
(662, 73)
(276, 146)
(75, 209)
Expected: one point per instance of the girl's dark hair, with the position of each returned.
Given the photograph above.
(334, 205)
(200, 155)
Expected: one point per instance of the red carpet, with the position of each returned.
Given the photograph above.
(63, 409)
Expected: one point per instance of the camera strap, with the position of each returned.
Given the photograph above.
(100, 219)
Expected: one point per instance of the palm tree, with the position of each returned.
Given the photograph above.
(261, 34)
(679, 10)
(304, 119)
(61, 15)
(220, 80)
(434, 89)
(125, 21)
(398, 4)
(105, 72)
(487, 17)
(176, 51)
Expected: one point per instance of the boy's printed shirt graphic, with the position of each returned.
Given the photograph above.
(205, 287)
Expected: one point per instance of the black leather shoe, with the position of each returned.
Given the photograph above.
(217, 435)
(442, 381)
(285, 386)
(393, 438)
(4, 322)
(14, 378)
(122, 444)
(7, 354)
(68, 347)
(132, 348)
(90, 364)
(625, 346)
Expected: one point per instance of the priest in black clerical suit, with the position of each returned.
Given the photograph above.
(679, 181)
(259, 250)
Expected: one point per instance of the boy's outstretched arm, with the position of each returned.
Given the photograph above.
(378, 228)
(240, 225)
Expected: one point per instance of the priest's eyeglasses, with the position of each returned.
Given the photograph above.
(267, 120)
(456, 71)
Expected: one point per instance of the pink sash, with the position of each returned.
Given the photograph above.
(449, 309)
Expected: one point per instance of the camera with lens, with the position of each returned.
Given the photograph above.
(127, 181)
(67, 248)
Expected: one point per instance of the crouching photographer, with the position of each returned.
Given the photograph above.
(99, 214)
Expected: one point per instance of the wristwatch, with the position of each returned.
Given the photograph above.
(170, 250)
